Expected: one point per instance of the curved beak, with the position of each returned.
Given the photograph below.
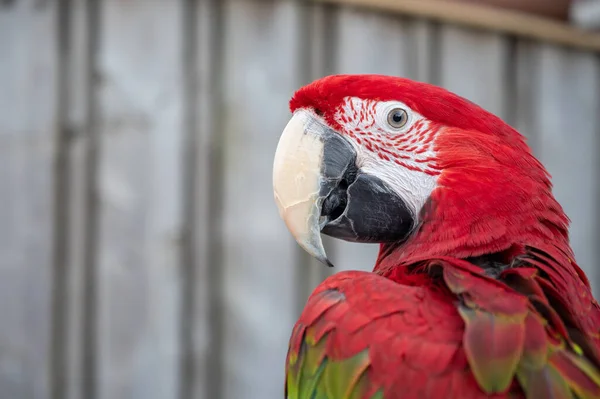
(319, 188)
(297, 171)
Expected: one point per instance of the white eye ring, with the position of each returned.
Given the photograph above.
(397, 118)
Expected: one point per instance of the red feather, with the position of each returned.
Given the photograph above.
(410, 349)
(532, 329)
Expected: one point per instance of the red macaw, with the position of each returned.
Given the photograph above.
(475, 292)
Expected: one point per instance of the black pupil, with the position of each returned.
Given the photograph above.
(398, 116)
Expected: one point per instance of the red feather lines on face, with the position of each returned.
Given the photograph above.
(410, 149)
(491, 195)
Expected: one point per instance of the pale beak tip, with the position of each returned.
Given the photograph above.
(321, 257)
(327, 262)
(314, 246)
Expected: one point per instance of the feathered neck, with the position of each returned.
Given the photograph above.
(491, 197)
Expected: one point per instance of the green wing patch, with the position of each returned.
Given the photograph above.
(508, 338)
(312, 375)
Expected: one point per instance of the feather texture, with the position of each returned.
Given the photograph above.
(463, 334)
(482, 300)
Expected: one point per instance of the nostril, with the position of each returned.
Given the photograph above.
(343, 185)
(335, 203)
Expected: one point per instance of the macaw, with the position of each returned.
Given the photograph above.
(475, 292)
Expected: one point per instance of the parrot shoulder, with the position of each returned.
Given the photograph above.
(362, 335)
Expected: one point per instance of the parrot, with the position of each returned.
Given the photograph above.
(475, 292)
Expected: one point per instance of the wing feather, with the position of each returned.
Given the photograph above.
(467, 335)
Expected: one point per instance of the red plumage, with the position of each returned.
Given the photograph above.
(434, 322)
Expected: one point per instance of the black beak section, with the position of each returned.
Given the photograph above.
(319, 187)
(358, 207)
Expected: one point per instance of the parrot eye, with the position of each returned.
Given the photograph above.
(397, 118)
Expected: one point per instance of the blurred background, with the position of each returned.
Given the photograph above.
(141, 252)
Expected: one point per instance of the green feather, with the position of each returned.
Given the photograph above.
(341, 377)
(581, 376)
(305, 370)
(545, 382)
(493, 345)
(378, 395)
(311, 375)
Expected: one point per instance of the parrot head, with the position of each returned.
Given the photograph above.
(380, 159)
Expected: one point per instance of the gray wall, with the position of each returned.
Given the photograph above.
(141, 253)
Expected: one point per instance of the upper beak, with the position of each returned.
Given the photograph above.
(303, 178)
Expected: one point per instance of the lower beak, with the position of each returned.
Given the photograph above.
(304, 177)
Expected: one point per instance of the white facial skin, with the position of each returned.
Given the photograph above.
(401, 154)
